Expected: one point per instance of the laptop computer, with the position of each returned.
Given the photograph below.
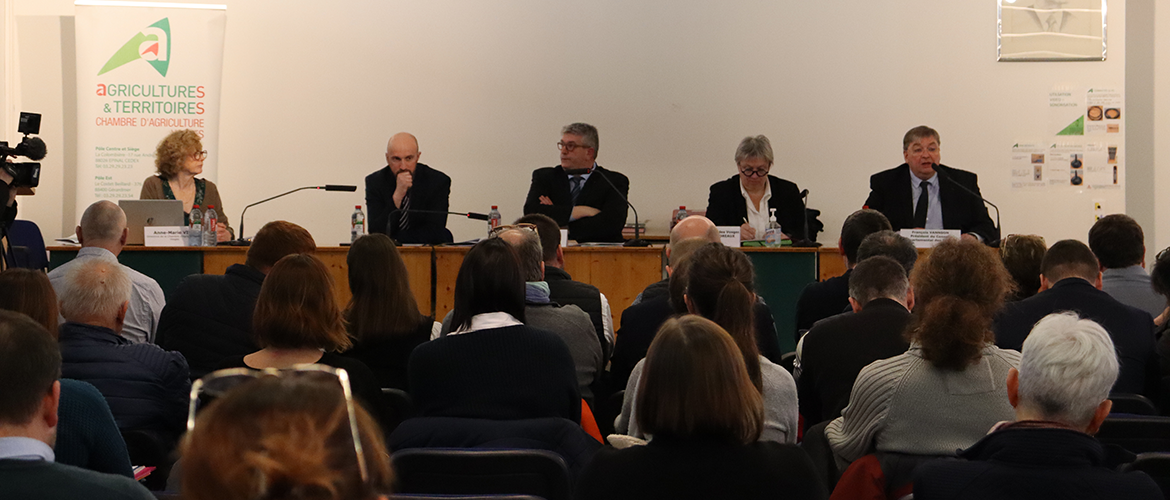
(142, 213)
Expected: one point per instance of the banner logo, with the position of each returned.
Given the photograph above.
(152, 45)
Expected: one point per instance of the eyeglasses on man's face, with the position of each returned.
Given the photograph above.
(569, 146)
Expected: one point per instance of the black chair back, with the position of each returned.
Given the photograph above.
(1136, 434)
(401, 408)
(464, 497)
(453, 471)
(788, 360)
(27, 245)
(1155, 465)
(1132, 404)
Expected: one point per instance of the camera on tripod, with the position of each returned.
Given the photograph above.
(25, 174)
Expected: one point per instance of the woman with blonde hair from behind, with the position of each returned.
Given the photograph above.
(706, 415)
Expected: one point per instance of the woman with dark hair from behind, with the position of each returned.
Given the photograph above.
(719, 287)
(382, 317)
(492, 366)
(297, 322)
(277, 438)
(1022, 254)
(949, 388)
(87, 435)
(706, 414)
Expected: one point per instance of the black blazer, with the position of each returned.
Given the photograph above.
(820, 300)
(605, 226)
(430, 191)
(727, 207)
(1132, 329)
(890, 194)
(837, 348)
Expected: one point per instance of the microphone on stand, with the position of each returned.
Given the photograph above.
(242, 242)
(637, 241)
(991, 241)
(469, 215)
(804, 241)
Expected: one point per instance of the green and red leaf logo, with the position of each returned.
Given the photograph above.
(152, 45)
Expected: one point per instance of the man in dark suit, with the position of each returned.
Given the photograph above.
(836, 349)
(573, 196)
(899, 191)
(822, 299)
(1070, 280)
(405, 185)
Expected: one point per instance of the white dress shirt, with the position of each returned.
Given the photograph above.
(757, 218)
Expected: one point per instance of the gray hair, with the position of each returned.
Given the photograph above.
(1067, 368)
(94, 287)
(876, 278)
(587, 132)
(918, 133)
(103, 221)
(889, 244)
(754, 147)
(527, 246)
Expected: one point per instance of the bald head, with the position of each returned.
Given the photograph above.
(695, 226)
(402, 153)
(103, 225)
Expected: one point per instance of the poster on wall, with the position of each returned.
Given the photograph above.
(1103, 112)
(1052, 30)
(1027, 166)
(143, 71)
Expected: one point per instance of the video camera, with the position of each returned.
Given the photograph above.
(25, 174)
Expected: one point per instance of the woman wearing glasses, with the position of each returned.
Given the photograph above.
(179, 158)
(744, 199)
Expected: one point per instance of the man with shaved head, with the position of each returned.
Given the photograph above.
(402, 199)
(102, 233)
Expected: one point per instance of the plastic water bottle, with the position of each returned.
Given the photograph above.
(210, 223)
(493, 218)
(195, 229)
(772, 234)
(678, 217)
(357, 224)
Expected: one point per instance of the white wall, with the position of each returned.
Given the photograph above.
(1161, 138)
(312, 90)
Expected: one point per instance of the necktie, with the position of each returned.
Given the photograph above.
(575, 187)
(404, 221)
(923, 204)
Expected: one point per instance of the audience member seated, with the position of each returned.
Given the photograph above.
(382, 316)
(102, 233)
(722, 289)
(563, 289)
(30, 364)
(1160, 280)
(1022, 255)
(837, 348)
(889, 244)
(706, 417)
(1070, 280)
(87, 436)
(820, 300)
(297, 321)
(492, 366)
(693, 229)
(284, 438)
(1119, 244)
(209, 317)
(1060, 396)
(145, 385)
(948, 388)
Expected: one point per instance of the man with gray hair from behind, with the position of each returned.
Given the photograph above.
(102, 233)
(1060, 393)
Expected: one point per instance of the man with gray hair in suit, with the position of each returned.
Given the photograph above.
(1060, 393)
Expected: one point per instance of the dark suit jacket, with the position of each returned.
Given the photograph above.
(890, 194)
(430, 191)
(605, 226)
(820, 300)
(1132, 329)
(837, 348)
(726, 206)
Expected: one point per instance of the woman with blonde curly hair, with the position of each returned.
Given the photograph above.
(949, 388)
(178, 159)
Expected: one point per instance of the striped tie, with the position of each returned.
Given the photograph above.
(575, 187)
(404, 221)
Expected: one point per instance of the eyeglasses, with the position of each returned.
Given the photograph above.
(200, 155)
(218, 383)
(754, 172)
(570, 146)
(523, 226)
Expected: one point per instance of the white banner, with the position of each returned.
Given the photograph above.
(143, 70)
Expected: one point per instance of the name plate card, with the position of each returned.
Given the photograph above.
(165, 236)
(564, 238)
(928, 238)
(729, 235)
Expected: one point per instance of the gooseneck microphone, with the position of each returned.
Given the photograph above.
(240, 241)
(637, 241)
(993, 240)
(804, 241)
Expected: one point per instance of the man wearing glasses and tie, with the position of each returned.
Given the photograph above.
(744, 199)
(578, 193)
(922, 193)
